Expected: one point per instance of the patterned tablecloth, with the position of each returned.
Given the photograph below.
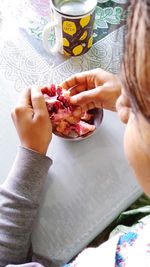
(64, 227)
(31, 16)
(28, 18)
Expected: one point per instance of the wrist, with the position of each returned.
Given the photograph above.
(39, 147)
(34, 150)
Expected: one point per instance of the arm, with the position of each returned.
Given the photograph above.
(19, 201)
(20, 193)
(94, 89)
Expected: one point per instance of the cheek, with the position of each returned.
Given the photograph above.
(137, 157)
(130, 146)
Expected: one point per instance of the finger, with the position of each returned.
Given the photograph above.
(88, 106)
(77, 89)
(78, 112)
(25, 98)
(79, 78)
(24, 106)
(37, 100)
(21, 113)
(85, 97)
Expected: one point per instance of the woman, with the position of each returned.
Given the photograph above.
(20, 192)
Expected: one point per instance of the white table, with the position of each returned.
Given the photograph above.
(90, 182)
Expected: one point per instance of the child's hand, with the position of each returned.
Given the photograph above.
(94, 89)
(32, 120)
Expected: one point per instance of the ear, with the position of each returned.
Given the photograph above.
(123, 108)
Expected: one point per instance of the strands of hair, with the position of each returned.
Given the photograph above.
(136, 61)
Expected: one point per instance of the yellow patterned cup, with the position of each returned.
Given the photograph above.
(73, 22)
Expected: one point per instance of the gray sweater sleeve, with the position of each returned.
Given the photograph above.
(19, 201)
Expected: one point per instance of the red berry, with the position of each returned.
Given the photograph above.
(53, 89)
(59, 90)
(46, 91)
(64, 100)
(57, 106)
(60, 98)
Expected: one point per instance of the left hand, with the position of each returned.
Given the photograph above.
(32, 120)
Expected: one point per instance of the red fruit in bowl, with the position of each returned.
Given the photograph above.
(50, 91)
(59, 90)
(46, 91)
(57, 105)
(64, 100)
(53, 89)
(61, 113)
(83, 127)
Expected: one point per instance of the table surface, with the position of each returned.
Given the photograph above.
(90, 182)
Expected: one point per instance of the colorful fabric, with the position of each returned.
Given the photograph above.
(128, 249)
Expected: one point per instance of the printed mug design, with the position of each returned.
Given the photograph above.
(77, 35)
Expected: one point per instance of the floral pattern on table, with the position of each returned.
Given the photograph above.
(106, 53)
(115, 1)
(22, 65)
(109, 15)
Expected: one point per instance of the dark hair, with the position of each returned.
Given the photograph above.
(136, 60)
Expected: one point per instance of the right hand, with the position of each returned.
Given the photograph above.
(32, 120)
(94, 89)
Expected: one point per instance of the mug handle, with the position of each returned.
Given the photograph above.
(45, 36)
